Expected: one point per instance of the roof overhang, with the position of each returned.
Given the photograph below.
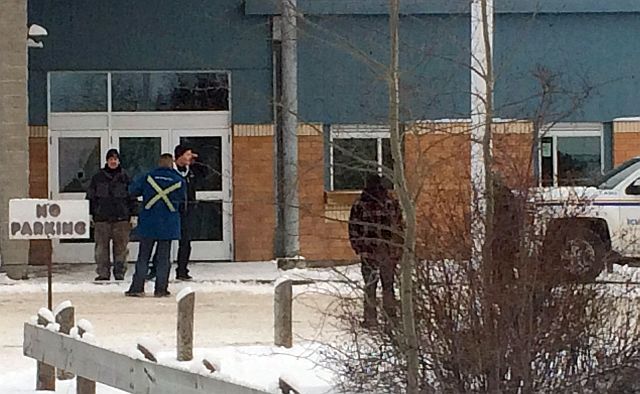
(444, 7)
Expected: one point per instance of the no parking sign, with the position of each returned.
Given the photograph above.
(48, 219)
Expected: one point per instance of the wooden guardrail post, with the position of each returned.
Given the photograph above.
(65, 316)
(186, 306)
(84, 385)
(46, 374)
(282, 313)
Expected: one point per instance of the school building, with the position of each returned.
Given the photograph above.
(143, 76)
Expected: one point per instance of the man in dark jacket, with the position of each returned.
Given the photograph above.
(111, 207)
(163, 193)
(191, 172)
(375, 233)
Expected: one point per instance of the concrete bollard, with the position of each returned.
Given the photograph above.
(186, 306)
(282, 313)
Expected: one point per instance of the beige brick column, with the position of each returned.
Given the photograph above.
(14, 153)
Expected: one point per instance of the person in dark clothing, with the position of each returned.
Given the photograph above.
(375, 233)
(163, 194)
(191, 171)
(111, 207)
(184, 157)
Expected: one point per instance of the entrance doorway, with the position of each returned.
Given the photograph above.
(76, 157)
(143, 114)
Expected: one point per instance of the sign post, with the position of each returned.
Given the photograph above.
(48, 219)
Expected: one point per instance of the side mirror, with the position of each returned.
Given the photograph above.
(634, 188)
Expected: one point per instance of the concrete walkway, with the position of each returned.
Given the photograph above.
(254, 272)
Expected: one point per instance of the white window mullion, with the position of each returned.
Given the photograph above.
(109, 109)
(331, 164)
(554, 146)
(379, 141)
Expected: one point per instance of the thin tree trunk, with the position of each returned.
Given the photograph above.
(494, 377)
(408, 207)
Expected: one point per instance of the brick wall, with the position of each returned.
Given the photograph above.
(40, 250)
(254, 197)
(321, 236)
(626, 141)
(437, 156)
(254, 218)
(437, 167)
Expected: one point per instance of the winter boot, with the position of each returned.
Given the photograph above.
(370, 318)
(390, 305)
(119, 269)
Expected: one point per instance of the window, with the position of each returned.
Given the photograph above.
(571, 154)
(78, 161)
(355, 152)
(78, 92)
(170, 91)
(138, 91)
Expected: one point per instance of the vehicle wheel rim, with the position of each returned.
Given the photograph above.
(578, 257)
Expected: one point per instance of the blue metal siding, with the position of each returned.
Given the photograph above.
(339, 83)
(416, 7)
(155, 35)
(335, 86)
(598, 52)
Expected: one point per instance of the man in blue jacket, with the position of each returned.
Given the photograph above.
(163, 193)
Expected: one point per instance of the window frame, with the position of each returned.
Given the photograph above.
(568, 130)
(356, 131)
(109, 112)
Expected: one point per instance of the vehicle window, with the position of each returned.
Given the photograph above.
(619, 174)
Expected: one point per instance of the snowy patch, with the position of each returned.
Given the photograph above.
(80, 287)
(210, 359)
(61, 306)
(54, 327)
(627, 119)
(33, 320)
(73, 333)
(85, 325)
(89, 338)
(281, 280)
(621, 273)
(46, 314)
(5, 280)
(183, 293)
(263, 366)
(153, 345)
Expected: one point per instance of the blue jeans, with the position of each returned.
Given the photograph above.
(163, 251)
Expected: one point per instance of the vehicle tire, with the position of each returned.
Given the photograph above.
(578, 254)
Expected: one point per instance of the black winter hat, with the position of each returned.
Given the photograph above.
(113, 153)
(181, 150)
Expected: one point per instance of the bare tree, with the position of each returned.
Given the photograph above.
(515, 322)
(408, 205)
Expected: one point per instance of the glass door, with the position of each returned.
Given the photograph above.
(210, 218)
(74, 157)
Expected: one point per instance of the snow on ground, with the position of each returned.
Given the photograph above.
(621, 273)
(208, 277)
(233, 323)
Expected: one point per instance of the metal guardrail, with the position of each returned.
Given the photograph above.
(118, 370)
